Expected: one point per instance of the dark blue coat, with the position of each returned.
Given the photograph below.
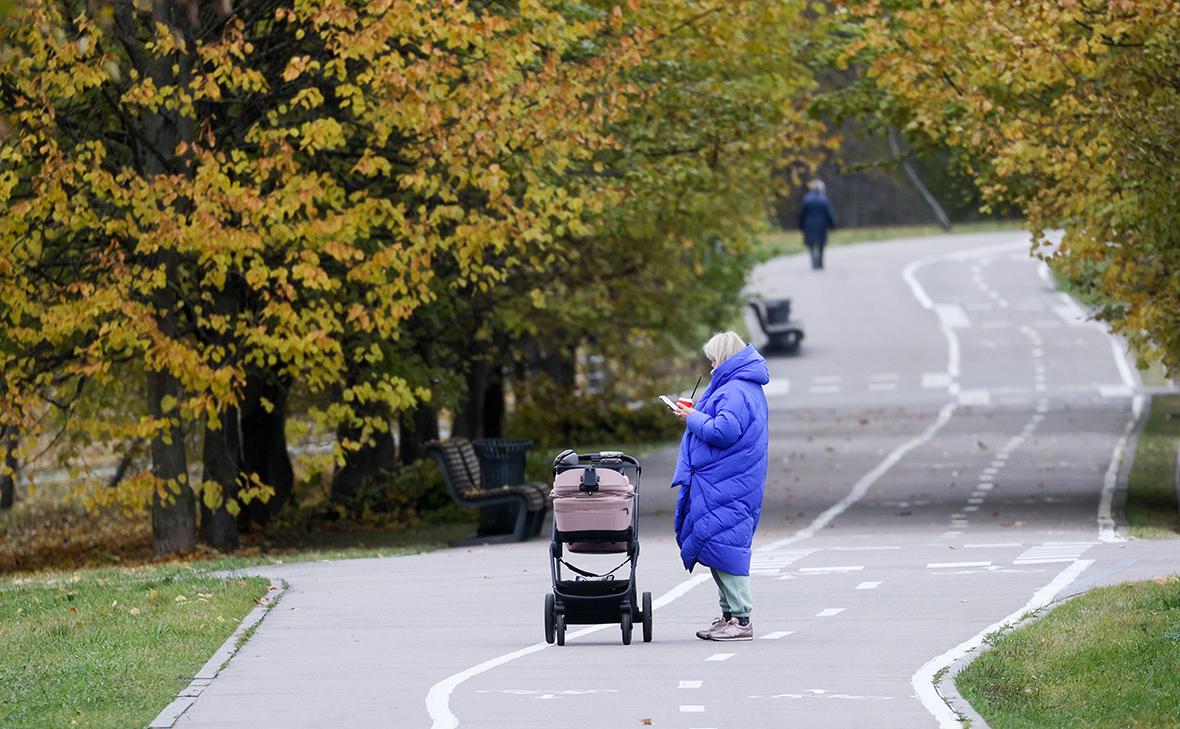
(722, 467)
(815, 218)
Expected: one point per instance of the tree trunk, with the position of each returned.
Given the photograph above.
(222, 461)
(469, 420)
(9, 442)
(417, 427)
(493, 405)
(264, 446)
(174, 526)
(365, 466)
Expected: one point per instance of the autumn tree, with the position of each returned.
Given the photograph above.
(240, 199)
(1068, 109)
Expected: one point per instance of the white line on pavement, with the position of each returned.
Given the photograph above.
(1106, 527)
(777, 634)
(866, 482)
(690, 684)
(868, 585)
(721, 656)
(923, 679)
(829, 612)
(438, 699)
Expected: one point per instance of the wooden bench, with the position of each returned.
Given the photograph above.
(460, 468)
(783, 334)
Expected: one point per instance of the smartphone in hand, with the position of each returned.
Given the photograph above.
(667, 401)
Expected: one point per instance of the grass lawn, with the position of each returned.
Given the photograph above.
(1110, 658)
(110, 648)
(1151, 509)
(787, 242)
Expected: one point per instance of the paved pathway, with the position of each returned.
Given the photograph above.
(944, 452)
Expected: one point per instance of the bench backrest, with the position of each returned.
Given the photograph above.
(460, 464)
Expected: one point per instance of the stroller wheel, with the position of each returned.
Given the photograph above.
(647, 617)
(559, 627)
(550, 613)
(626, 625)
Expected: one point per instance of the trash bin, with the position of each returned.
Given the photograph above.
(501, 463)
(778, 311)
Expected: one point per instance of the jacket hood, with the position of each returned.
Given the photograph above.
(747, 364)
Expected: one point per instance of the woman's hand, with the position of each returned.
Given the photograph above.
(683, 411)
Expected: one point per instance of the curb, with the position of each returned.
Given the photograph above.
(203, 677)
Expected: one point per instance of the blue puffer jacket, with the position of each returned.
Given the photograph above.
(722, 467)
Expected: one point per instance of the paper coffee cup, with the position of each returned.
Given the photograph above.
(685, 402)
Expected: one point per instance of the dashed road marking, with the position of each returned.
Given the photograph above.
(824, 389)
(884, 377)
(1051, 552)
(827, 379)
(690, 684)
(829, 612)
(973, 507)
(882, 386)
(721, 656)
(869, 585)
(776, 635)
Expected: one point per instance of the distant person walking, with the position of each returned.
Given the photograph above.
(721, 473)
(815, 219)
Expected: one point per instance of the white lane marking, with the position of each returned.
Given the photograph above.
(777, 387)
(1106, 526)
(721, 656)
(884, 377)
(952, 316)
(936, 380)
(975, 397)
(866, 481)
(547, 695)
(691, 708)
(952, 534)
(829, 612)
(923, 679)
(844, 568)
(1050, 552)
(823, 389)
(869, 585)
(882, 386)
(945, 565)
(690, 684)
(1115, 391)
(438, 699)
(776, 635)
(975, 501)
(971, 508)
(993, 545)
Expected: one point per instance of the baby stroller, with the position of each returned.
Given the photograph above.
(595, 511)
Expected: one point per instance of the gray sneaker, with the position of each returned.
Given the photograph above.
(733, 630)
(717, 623)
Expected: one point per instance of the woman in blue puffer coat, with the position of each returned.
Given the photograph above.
(721, 474)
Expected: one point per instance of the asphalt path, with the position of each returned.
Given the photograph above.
(946, 454)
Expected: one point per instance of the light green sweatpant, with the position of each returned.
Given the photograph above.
(735, 593)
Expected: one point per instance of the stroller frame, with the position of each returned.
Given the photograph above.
(590, 598)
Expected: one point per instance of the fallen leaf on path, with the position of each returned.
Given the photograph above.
(645, 722)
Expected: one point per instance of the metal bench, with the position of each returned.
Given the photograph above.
(460, 468)
(783, 334)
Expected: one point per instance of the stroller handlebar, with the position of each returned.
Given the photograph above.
(568, 459)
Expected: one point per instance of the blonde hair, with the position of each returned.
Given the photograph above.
(723, 345)
(817, 185)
